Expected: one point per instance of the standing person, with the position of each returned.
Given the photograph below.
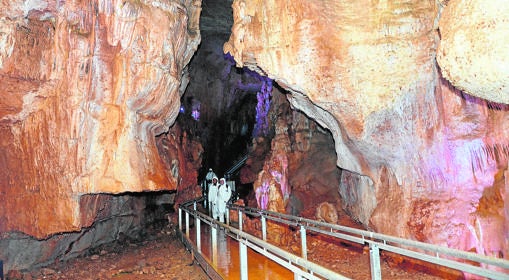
(209, 176)
(223, 195)
(212, 197)
(208, 180)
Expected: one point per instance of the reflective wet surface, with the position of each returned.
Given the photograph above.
(227, 261)
(346, 258)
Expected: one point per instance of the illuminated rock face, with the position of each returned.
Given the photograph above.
(419, 158)
(182, 156)
(472, 53)
(86, 87)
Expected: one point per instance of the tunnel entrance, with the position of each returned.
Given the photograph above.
(221, 112)
(235, 112)
(241, 113)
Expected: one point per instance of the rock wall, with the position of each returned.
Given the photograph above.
(467, 30)
(86, 87)
(113, 218)
(182, 156)
(298, 170)
(419, 158)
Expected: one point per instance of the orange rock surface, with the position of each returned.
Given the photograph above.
(86, 87)
(419, 158)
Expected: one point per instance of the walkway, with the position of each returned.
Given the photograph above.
(297, 263)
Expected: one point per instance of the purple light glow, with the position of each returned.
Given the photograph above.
(229, 57)
(196, 114)
(196, 108)
(460, 165)
(262, 108)
(281, 177)
(461, 173)
(262, 195)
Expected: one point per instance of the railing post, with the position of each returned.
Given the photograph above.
(264, 228)
(240, 220)
(374, 260)
(180, 219)
(187, 224)
(194, 206)
(198, 233)
(214, 243)
(243, 260)
(227, 215)
(303, 241)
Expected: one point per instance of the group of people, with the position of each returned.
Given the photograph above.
(218, 195)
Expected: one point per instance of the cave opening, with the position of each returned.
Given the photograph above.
(236, 113)
(243, 115)
(227, 119)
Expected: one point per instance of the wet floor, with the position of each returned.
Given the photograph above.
(227, 262)
(349, 259)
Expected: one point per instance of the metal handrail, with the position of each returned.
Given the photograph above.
(237, 165)
(381, 240)
(443, 256)
(298, 265)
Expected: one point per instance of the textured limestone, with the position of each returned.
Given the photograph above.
(111, 217)
(116, 217)
(419, 158)
(86, 85)
(182, 156)
(473, 53)
(298, 170)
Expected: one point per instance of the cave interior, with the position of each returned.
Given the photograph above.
(99, 143)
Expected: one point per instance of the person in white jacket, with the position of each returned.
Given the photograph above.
(205, 186)
(223, 195)
(212, 197)
(210, 175)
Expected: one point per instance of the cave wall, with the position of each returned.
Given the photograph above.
(86, 87)
(420, 158)
(468, 29)
(182, 155)
(293, 166)
(111, 218)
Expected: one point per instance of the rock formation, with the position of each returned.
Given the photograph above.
(114, 217)
(182, 157)
(468, 29)
(86, 87)
(419, 158)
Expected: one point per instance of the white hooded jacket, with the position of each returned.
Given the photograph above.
(223, 195)
(210, 175)
(213, 188)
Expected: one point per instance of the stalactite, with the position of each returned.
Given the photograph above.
(482, 154)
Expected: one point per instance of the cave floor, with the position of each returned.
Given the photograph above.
(163, 256)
